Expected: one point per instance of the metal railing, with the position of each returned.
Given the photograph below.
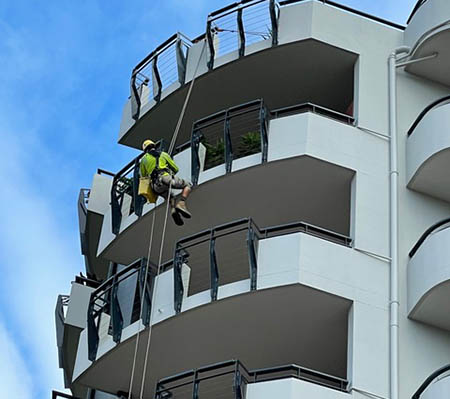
(105, 308)
(125, 186)
(419, 4)
(429, 380)
(232, 244)
(428, 108)
(83, 200)
(238, 25)
(56, 395)
(310, 107)
(426, 234)
(229, 380)
(160, 69)
(230, 134)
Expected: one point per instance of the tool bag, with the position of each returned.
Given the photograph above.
(145, 189)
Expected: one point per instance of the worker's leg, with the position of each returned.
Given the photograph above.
(178, 183)
(161, 187)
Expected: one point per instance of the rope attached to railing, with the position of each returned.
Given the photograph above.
(154, 294)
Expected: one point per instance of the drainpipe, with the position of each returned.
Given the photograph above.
(393, 228)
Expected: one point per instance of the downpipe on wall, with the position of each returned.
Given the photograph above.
(393, 228)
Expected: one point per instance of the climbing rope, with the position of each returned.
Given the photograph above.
(171, 147)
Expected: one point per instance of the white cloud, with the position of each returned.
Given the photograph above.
(15, 380)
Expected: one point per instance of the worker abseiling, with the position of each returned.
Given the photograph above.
(161, 169)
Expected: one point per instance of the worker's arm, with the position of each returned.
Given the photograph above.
(170, 162)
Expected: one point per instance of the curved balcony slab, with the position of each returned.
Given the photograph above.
(429, 280)
(322, 189)
(427, 33)
(316, 78)
(428, 153)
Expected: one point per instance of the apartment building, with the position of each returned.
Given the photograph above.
(317, 139)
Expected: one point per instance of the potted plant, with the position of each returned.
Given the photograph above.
(250, 143)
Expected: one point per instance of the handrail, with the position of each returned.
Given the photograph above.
(56, 395)
(427, 109)
(425, 235)
(429, 380)
(243, 376)
(419, 4)
(351, 10)
(308, 106)
(104, 172)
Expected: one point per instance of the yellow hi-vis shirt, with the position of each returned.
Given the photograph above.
(148, 163)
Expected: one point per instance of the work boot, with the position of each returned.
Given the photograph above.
(181, 208)
(176, 217)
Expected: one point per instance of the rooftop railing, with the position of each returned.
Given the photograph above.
(229, 380)
(230, 134)
(163, 67)
(241, 24)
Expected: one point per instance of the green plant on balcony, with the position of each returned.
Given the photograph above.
(215, 153)
(250, 143)
(125, 186)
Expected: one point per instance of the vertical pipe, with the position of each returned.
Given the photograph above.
(393, 224)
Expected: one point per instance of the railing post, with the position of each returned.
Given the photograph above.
(179, 258)
(263, 131)
(92, 327)
(138, 200)
(240, 25)
(210, 41)
(145, 290)
(116, 212)
(157, 85)
(181, 60)
(237, 383)
(195, 158)
(134, 98)
(252, 256)
(214, 272)
(195, 387)
(274, 21)
(116, 313)
(228, 146)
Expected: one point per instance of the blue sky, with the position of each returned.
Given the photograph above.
(65, 68)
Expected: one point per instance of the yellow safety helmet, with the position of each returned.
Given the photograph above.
(146, 143)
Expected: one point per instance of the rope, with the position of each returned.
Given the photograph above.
(186, 100)
(172, 144)
(142, 306)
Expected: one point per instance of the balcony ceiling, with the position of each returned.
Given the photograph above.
(297, 189)
(436, 69)
(288, 325)
(284, 75)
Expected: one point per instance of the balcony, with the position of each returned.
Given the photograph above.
(428, 34)
(92, 205)
(436, 386)
(221, 278)
(224, 157)
(428, 151)
(238, 40)
(232, 380)
(70, 320)
(429, 277)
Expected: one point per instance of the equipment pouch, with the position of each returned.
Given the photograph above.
(145, 189)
